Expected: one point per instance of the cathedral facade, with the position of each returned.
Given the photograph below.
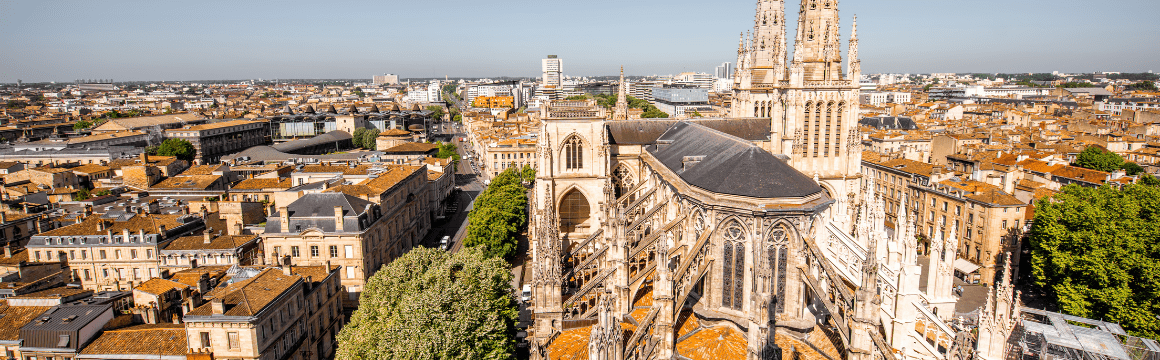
(749, 237)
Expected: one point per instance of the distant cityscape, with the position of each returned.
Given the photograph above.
(780, 205)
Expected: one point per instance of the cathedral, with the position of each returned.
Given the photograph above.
(749, 237)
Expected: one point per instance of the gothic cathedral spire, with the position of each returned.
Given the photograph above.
(621, 111)
(855, 70)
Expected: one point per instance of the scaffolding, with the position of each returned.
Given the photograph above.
(1044, 335)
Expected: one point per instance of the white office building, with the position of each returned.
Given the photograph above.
(552, 67)
(725, 70)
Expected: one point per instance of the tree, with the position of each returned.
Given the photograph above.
(1096, 158)
(436, 111)
(1143, 86)
(1132, 169)
(180, 148)
(652, 112)
(577, 97)
(500, 214)
(364, 138)
(447, 150)
(81, 195)
(82, 125)
(1097, 251)
(1149, 180)
(429, 304)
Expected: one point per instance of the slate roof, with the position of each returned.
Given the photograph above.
(643, 132)
(317, 210)
(729, 164)
(889, 122)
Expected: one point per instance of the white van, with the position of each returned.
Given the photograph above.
(526, 294)
(445, 243)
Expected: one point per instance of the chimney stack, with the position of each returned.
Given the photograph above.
(7, 251)
(236, 229)
(3, 217)
(217, 306)
(338, 219)
(208, 235)
(284, 219)
(286, 267)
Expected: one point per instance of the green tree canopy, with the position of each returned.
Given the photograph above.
(81, 195)
(429, 304)
(82, 125)
(436, 111)
(500, 214)
(1143, 86)
(1097, 251)
(364, 138)
(1132, 169)
(1096, 158)
(180, 148)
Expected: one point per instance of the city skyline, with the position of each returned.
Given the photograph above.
(223, 40)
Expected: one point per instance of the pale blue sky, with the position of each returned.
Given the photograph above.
(242, 39)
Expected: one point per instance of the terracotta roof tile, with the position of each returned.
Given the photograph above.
(248, 297)
(150, 223)
(16, 317)
(149, 340)
(263, 184)
(158, 286)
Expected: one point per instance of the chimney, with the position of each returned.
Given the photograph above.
(108, 233)
(8, 251)
(204, 212)
(80, 218)
(100, 224)
(176, 319)
(145, 158)
(236, 229)
(37, 223)
(207, 235)
(141, 234)
(203, 283)
(3, 217)
(338, 219)
(286, 267)
(284, 219)
(217, 307)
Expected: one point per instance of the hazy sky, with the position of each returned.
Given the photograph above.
(62, 40)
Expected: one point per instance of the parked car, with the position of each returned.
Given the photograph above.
(526, 294)
(445, 243)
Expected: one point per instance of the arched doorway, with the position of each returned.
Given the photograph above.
(574, 212)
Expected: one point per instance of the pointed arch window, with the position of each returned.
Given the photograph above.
(622, 181)
(573, 153)
(817, 127)
(574, 212)
(838, 132)
(733, 269)
(778, 252)
(829, 132)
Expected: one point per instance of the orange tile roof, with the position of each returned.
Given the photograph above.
(248, 297)
(150, 223)
(158, 286)
(570, 345)
(263, 184)
(718, 342)
(217, 125)
(16, 317)
(197, 242)
(146, 340)
(198, 182)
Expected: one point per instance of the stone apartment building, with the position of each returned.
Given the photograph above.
(988, 219)
(215, 140)
(113, 251)
(290, 313)
(333, 228)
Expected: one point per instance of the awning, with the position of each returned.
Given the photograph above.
(965, 266)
